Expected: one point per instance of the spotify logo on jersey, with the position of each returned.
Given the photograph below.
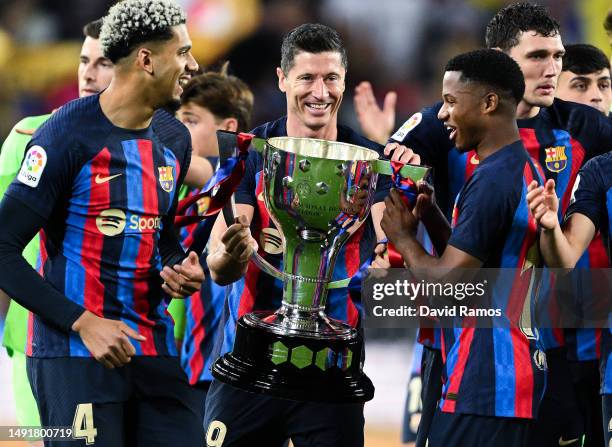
(111, 222)
(270, 240)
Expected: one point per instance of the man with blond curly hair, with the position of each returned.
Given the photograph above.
(100, 181)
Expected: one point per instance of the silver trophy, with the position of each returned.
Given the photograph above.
(318, 193)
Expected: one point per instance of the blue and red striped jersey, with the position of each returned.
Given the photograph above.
(500, 371)
(203, 309)
(258, 290)
(108, 197)
(203, 312)
(560, 138)
(593, 199)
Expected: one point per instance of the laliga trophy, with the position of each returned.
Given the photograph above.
(318, 193)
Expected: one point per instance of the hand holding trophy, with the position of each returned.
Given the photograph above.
(318, 193)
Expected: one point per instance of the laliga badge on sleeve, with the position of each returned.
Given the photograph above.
(33, 166)
(410, 124)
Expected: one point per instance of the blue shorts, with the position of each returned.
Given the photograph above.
(147, 402)
(585, 378)
(559, 420)
(468, 430)
(237, 418)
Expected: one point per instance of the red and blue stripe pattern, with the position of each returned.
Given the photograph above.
(203, 314)
(108, 260)
(494, 367)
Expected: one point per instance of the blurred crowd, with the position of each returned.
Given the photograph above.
(395, 44)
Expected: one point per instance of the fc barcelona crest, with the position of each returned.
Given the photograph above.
(166, 178)
(556, 160)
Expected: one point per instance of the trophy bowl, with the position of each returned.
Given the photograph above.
(318, 193)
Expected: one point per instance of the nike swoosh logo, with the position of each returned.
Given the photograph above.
(100, 180)
(474, 160)
(571, 441)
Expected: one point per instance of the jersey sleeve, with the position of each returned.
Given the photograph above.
(588, 195)
(49, 167)
(426, 135)
(11, 156)
(485, 207)
(594, 128)
(605, 133)
(18, 279)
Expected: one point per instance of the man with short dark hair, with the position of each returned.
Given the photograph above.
(485, 401)
(585, 77)
(94, 75)
(312, 76)
(100, 178)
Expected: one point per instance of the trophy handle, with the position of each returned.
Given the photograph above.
(414, 172)
(265, 266)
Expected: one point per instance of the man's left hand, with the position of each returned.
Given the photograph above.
(184, 279)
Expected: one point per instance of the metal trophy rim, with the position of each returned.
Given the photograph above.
(360, 149)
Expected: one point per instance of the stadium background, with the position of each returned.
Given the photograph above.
(397, 45)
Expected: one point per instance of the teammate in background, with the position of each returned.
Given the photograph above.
(94, 75)
(586, 77)
(562, 246)
(312, 76)
(481, 91)
(560, 136)
(210, 102)
(100, 179)
(377, 124)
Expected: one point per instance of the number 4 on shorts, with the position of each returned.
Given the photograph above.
(83, 425)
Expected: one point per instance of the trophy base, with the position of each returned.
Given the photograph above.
(306, 367)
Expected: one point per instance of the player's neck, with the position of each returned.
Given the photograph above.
(295, 128)
(123, 106)
(496, 139)
(525, 110)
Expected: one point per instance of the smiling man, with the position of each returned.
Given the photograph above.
(485, 400)
(312, 76)
(100, 178)
(94, 75)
